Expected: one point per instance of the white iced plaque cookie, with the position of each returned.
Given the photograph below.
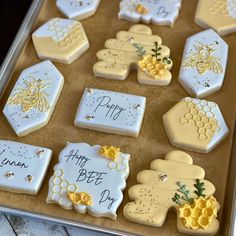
(89, 179)
(33, 98)
(78, 10)
(219, 15)
(174, 183)
(157, 12)
(200, 121)
(136, 49)
(22, 166)
(111, 112)
(60, 40)
(204, 63)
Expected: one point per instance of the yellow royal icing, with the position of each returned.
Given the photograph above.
(141, 9)
(110, 152)
(81, 198)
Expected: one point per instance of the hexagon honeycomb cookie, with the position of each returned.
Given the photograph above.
(60, 40)
(137, 49)
(161, 12)
(84, 179)
(204, 63)
(174, 183)
(200, 121)
(217, 14)
(33, 98)
(78, 10)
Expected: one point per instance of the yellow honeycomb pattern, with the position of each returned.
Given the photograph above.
(65, 36)
(199, 214)
(120, 164)
(219, 7)
(60, 188)
(200, 114)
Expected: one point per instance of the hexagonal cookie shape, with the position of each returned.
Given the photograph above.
(60, 40)
(78, 10)
(217, 14)
(204, 63)
(195, 125)
(33, 98)
(161, 12)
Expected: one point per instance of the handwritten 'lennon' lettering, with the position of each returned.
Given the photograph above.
(5, 162)
(113, 110)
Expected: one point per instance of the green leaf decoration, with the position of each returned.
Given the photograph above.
(176, 199)
(200, 188)
(182, 189)
(158, 54)
(140, 49)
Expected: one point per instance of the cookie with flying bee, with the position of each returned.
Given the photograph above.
(204, 63)
(33, 98)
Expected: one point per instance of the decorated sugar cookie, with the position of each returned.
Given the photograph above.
(78, 9)
(204, 63)
(158, 12)
(89, 179)
(137, 49)
(33, 98)
(174, 183)
(219, 15)
(22, 167)
(200, 121)
(60, 40)
(111, 112)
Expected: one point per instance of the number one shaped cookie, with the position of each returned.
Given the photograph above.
(137, 49)
(219, 15)
(33, 98)
(204, 63)
(174, 182)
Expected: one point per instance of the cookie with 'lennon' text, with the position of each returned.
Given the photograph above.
(89, 179)
(22, 167)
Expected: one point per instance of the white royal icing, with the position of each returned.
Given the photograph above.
(33, 98)
(159, 12)
(204, 63)
(111, 112)
(81, 168)
(78, 9)
(22, 166)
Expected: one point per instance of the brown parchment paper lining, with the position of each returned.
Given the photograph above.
(152, 142)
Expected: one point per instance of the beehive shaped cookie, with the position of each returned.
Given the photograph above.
(60, 40)
(161, 12)
(174, 183)
(217, 14)
(137, 49)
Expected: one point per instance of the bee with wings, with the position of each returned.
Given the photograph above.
(31, 97)
(203, 60)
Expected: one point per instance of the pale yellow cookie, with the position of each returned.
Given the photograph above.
(219, 15)
(136, 49)
(174, 183)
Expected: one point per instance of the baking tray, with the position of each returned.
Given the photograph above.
(152, 142)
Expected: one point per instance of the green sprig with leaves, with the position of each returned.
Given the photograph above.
(140, 49)
(157, 54)
(182, 189)
(200, 188)
(176, 199)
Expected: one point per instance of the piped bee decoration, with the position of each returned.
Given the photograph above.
(203, 60)
(32, 96)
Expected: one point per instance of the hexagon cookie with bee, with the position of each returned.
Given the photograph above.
(34, 97)
(89, 179)
(200, 121)
(204, 63)
(217, 14)
(174, 182)
(136, 49)
(60, 40)
(78, 10)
